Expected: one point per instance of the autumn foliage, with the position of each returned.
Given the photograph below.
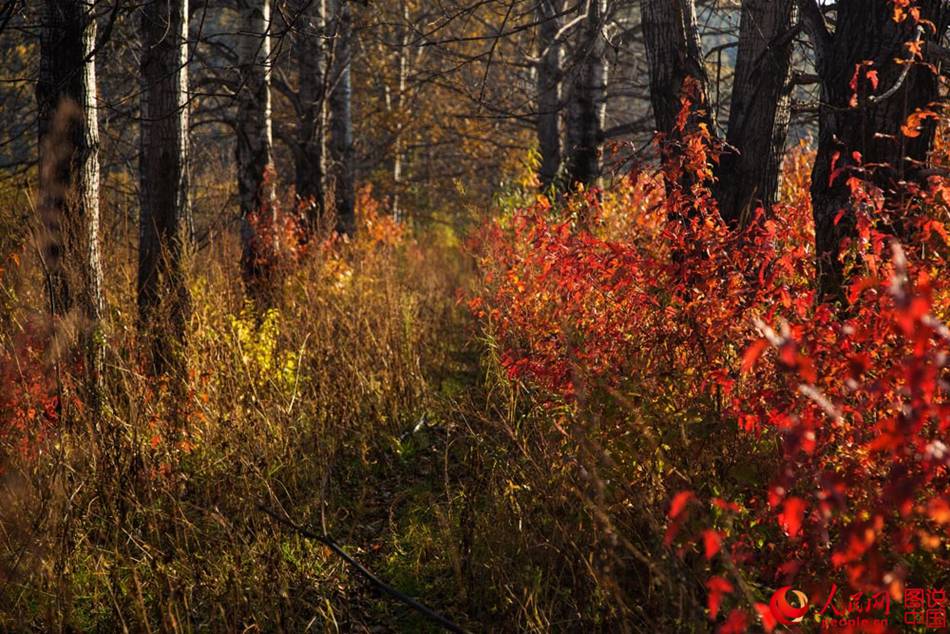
(795, 442)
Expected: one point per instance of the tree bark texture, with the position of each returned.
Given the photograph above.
(165, 215)
(398, 101)
(585, 129)
(341, 121)
(864, 119)
(310, 161)
(255, 155)
(675, 59)
(759, 113)
(69, 169)
(549, 92)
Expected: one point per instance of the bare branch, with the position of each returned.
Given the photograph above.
(817, 30)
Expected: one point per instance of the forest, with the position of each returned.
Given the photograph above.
(474, 315)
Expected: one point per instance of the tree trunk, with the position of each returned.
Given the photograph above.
(869, 122)
(549, 94)
(255, 160)
(402, 80)
(749, 165)
(341, 121)
(165, 221)
(675, 60)
(311, 127)
(585, 130)
(69, 170)
(759, 112)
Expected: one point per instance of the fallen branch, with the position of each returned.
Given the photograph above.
(327, 541)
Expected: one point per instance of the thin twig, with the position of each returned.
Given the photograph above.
(903, 76)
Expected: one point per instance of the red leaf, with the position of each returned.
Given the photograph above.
(765, 614)
(834, 170)
(853, 84)
(711, 543)
(752, 354)
(679, 503)
(671, 532)
(736, 623)
(717, 587)
(726, 505)
(791, 516)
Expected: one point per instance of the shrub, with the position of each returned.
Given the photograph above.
(644, 325)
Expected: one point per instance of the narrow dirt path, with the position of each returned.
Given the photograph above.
(405, 508)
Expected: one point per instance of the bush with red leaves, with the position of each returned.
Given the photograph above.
(639, 303)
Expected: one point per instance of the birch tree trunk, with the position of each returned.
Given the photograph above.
(341, 120)
(165, 220)
(402, 79)
(759, 113)
(69, 170)
(255, 160)
(310, 164)
(549, 92)
(585, 129)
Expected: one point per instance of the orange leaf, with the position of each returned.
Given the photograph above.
(911, 127)
(939, 510)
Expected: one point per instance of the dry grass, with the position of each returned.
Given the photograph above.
(364, 399)
(144, 516)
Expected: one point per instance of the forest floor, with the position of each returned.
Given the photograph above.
(392, 508)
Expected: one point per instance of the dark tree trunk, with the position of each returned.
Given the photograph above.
(675, 60)
(165, 225)
(748, 171)
(549, 94)
(255, 160)
(341, 121)
(759, 113)
(585, 129)
(69, 169)
(311, 127)
(870, 124)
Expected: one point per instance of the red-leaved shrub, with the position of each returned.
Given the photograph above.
(639, 304)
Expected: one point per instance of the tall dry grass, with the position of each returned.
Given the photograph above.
(363, 399)
(144, 516)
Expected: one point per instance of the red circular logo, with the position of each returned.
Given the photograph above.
(783, 611)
